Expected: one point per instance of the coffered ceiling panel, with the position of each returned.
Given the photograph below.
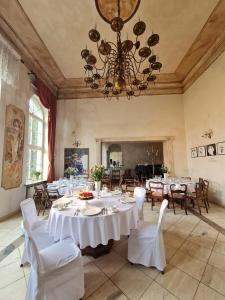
(63, 27)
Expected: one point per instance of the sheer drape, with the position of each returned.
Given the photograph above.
(49, 101)
(9, 66)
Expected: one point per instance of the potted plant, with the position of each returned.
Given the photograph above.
(164, 170)
(37, 174)
(97, 173)
(71, 172)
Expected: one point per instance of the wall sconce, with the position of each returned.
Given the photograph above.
(76, 143)
(208, 134)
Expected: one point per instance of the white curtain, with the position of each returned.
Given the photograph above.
(9, 66)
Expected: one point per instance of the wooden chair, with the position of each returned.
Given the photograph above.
(49, 196)
(156, 190)
(107, 181)
(179, 195)
(38, 193)
(115, 177)
(196, 197)
(205, 191)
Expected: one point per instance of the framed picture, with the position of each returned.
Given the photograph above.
(201, 151)
(13, 147)
(211, 150)
(77, 158)
(220, 148)
(194, 152)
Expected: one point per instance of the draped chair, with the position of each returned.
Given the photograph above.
(139, 195)
(146, 244)
(56, 271)
(37, 225)
(156, 190)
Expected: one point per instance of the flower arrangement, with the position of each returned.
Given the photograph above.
(164, 169)
(97, 172)
(71, 171)
(37, 174)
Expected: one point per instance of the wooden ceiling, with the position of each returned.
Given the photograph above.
(49, 36)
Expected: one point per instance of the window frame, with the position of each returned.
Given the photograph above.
(32, 146)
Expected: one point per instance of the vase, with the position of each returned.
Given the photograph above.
(97, 188)
(165, 175)
(71, 177)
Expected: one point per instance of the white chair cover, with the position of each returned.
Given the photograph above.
(140, 194)
(146, 245)
(56, 271)
(29, 214)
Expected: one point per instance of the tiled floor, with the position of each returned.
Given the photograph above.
(195, 254)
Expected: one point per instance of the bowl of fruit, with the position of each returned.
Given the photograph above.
(86, 195)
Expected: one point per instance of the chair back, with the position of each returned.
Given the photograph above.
(201, 182)
(29, 211)
(180, 189)
(156, 186)
(139, 194)
(115, 175)
(52, 193)
(205, 187)
(161, 213)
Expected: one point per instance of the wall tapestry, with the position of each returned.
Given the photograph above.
(77, 158)
(12, 167)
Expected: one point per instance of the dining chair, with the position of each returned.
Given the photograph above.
(106, 180)
(38, 193)
(146, 244)
(196, 197)
(156, 190)
(29, 214)
(56, 271)
(205, 191)
(139, 195)
(178, 194)
(49, 195)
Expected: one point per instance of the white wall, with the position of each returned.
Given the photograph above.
(204, 108)
(145, 116)
(10, 199)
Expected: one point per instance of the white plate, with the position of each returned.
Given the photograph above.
(116, 192)
(128, 200)
(63, 201)
(91, 211)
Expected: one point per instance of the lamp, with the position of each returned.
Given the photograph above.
(76, 143)
(208, 134)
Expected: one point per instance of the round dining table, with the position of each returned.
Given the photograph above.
(115, 219)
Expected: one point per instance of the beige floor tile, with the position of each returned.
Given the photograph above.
(173, 240)
(93, 278)
(106, 292)
(156, 292)
(188, 264)
(151, 272)
(10, 273)
(110, 263)
(177, 282)
(221, 237)
(217, 260)
(195, 250)
(205, 293)
(122, 249)
(16, 290)
(219, 247)
(131, 281)
(214, 278)
(12, 257)
(201, 240)
(206, 231)
(170, 251)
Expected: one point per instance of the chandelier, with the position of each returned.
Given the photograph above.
(125, 68)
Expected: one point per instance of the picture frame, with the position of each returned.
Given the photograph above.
(201, 151)
(77, 158)
(220, 148)
(194, 152)
(211, 150)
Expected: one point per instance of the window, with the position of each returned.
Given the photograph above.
(37, 140)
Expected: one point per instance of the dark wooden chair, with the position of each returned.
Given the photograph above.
(196, 197)
(156, 192)
(49, 196)
(106, 180)
(179, 195)
(205, 191)
(115, 177)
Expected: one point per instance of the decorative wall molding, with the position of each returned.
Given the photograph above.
(16, 27)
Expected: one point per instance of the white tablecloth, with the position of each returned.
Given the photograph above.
(93, 230)
(190, 185)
